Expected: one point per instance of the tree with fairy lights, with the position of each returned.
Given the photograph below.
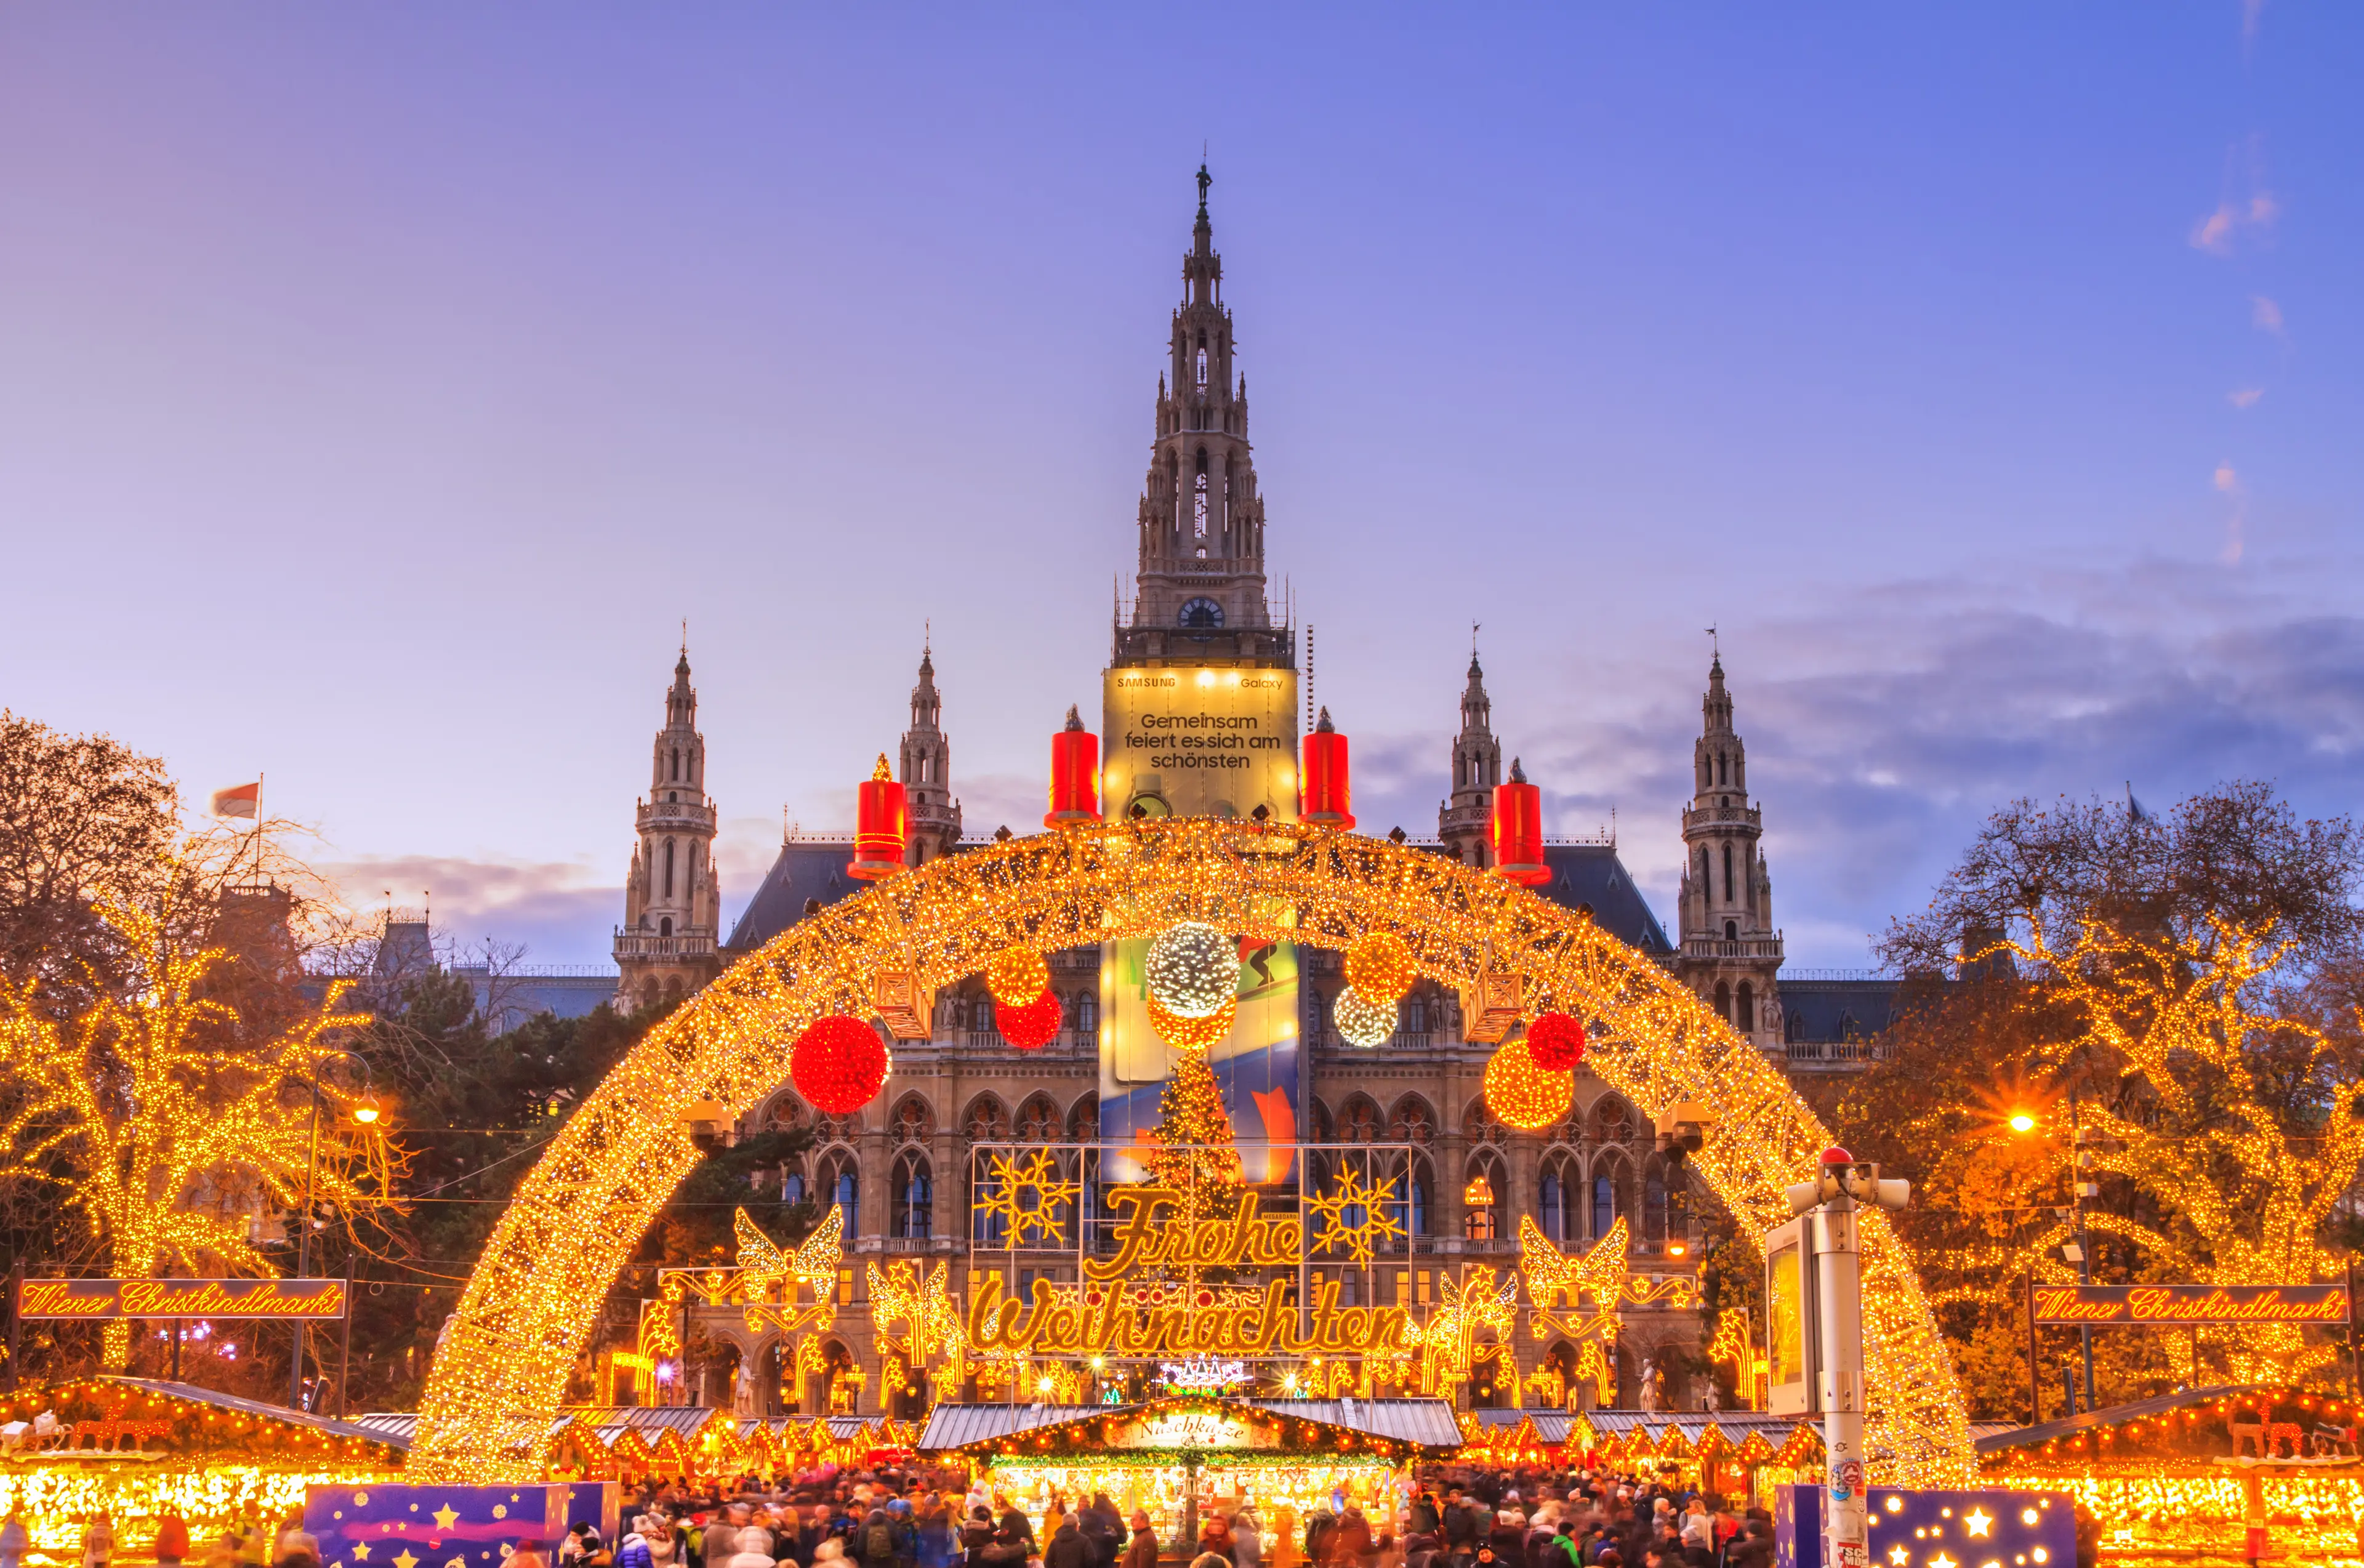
(2168, 987)
(169, 1102)
(1195, 1153)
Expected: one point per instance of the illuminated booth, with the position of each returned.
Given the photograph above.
(1184, 1457)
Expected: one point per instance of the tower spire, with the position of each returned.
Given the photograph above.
(1477, 769)
(673, 901)
(927, 766)
(1731, 952)
(1201, 579)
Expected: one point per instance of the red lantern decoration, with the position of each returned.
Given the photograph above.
(882, 826)
(1075, 775)
(1033, 1025)
(1328, 794)
(1516, 830)
(1555, 1041)
(838, 1064)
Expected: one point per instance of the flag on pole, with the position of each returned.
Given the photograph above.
(238, 802)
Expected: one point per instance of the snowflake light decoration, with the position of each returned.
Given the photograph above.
(1025, 1195)
(1355, 1215)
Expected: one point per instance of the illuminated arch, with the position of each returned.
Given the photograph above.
(497, 1380)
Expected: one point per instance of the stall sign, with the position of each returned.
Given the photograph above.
(2180, 1305)
(100, 1300)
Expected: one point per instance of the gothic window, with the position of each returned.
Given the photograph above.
(1707, 874)
(664, 926)
(1608, 1199)
(1722, 768)
(792, 1184)
(988, 1121)
(1611, 1121)
(1732, 930)
(1477, 1126)
(1747, 1018)
(1202, 364)
(843, 1184)
(1796, 1028)
(1359, 1122)
(1038, 1120)
(1088, 1013)
(668, 881)
(1084, 1120)
(914, 1122)
(1727, 874)
(1411, 1122)
(915, 1197)
(1554, 1206)
(1724, 1001)
(1410, 1210)
(1478, 1220)
(1654, 1201)
(1198, 499)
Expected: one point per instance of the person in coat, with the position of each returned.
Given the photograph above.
(1142, 1551)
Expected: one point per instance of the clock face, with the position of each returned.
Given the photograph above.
(1203, 613)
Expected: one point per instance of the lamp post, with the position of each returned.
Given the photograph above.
(2079, 1250)
(365, 1111)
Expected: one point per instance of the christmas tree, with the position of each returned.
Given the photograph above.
(1195, 1154)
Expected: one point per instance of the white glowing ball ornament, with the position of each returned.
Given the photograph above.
(1193, 970)
(1362, 1021)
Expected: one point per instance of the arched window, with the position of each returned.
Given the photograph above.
(668, 881)
(914, 1121)
(1707, 874)
(1747, 1018)
(1358, 1122)
(843, 1184)
(1553, 1196)
(1198, 499)
(792, 1183)
(1202, 363)
(1613, 1122)
(665, 925)
(1410, 1210)
(1795, 1027)
(1083, 1120)
(915, 1197)
(1654, 1201)
(1732, 930)
(986, 1121)
(1088, 1014)
(1722, 769)
(1727, 874)
(1410, 1121)
(1414, 1016)
(1038, 1120)
(1724, 1001)
(1607, 1200)
(1483, 1221)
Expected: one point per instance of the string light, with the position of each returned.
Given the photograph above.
(1033, 1026)
(1192, 970)
(1192, 1034)
(1523, 1095)
(838, 1064)
(1360, 1020)
(494, 1389)
(1555, 1041)
(1380, 968)
(1017, 976)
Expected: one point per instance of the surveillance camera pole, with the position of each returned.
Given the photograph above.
(1831, 1200)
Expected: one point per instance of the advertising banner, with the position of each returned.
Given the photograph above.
(1184, 741)
(2179, 1305)
(98, 1300)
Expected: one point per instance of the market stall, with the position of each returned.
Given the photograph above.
(1180, 1457)
(141, 1449)
(2192, 1475)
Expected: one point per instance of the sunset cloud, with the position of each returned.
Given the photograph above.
(2265, 314)
(2245, 397)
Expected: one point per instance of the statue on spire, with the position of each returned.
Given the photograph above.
(1205, 180)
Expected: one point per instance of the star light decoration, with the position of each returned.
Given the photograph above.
(1026, 1194)
(601, 1182)
(1355, 1215)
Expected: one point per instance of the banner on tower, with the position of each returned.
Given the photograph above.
(1185, 741)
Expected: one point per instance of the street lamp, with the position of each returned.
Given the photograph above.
(2083, 1158)
(365, 1111)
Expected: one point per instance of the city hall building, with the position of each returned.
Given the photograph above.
(898, 1171)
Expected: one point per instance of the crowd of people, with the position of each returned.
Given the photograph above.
(1451, 1518)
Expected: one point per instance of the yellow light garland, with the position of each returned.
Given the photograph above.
(495, 1386)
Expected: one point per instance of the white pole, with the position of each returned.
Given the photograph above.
(1839, 1285)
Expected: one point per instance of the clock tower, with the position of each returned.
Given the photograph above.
(1198, 592)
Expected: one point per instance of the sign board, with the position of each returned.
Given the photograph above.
(101, 1300)
(1185, 742)
(2181, 1306)
(1988, 1526)
(1210, 1429)
(1790, 1320)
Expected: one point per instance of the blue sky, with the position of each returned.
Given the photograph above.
(380, 388)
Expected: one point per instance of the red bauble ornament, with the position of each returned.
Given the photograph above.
(838, 1064)
(1555, 1041)
(1032, 1027)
